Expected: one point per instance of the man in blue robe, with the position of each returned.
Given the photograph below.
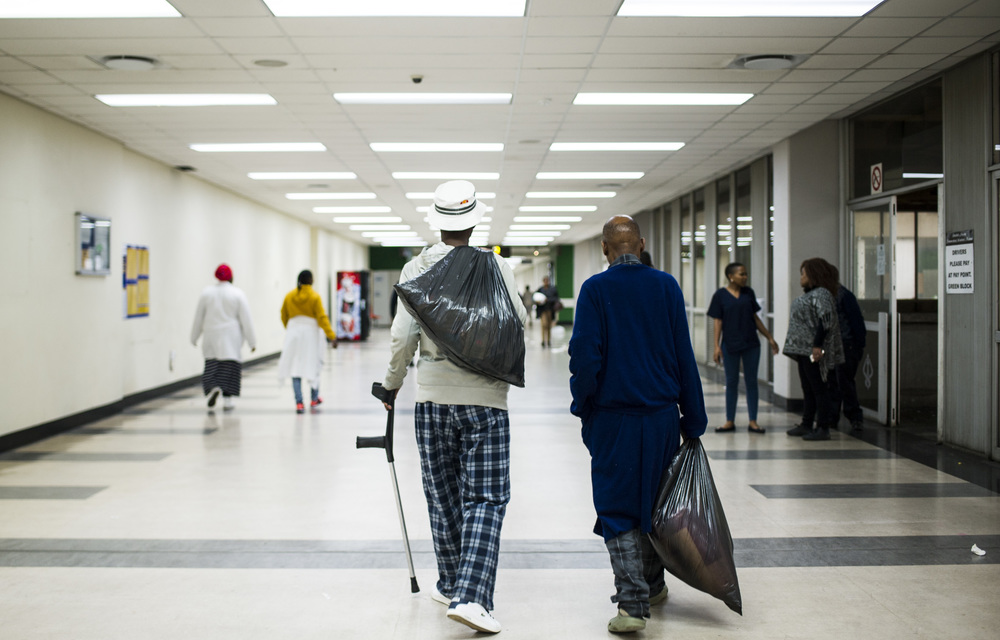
(636, 387)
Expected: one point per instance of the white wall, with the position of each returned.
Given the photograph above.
(64, 343)
(807, 210)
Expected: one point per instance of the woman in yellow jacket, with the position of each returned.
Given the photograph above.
(306, 322)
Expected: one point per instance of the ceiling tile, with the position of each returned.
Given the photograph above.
(965, 27)
(715, 28)
(862, 45)
(935, 45)
(885, 27)
(898, 8)
(734, 45)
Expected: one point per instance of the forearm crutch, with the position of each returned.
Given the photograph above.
(385, 442)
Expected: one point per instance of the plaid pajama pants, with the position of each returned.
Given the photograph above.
(465, 468)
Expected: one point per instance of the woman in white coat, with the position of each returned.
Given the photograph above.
(223, 316)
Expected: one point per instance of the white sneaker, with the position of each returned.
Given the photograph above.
(213, 395)
(475, 616)
(228, 404)
(437, 596)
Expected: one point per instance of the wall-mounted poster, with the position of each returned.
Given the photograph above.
(93, 244)
(348, 312)
(135, 280)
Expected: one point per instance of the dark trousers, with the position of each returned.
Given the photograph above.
(846, 397)
(817, 395)
(731, 363)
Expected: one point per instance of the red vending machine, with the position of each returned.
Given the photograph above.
(351, 317)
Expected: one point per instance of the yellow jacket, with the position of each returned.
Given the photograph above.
(303, 301)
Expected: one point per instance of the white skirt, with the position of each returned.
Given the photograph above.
(302, 354)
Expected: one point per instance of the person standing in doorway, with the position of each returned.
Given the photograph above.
(306, 323)
(636, 389)
(547, 310)
(223, 318)
(462, 429)
(734, 311)
(813, 341)
(853, 334)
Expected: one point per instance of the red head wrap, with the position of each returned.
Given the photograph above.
(224, 273)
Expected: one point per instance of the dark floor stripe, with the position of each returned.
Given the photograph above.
(59, 456)
(803, 454)
(518, 554)
(48, 493)
(888, 490)
(139, 431)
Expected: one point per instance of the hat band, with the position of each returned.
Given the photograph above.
(455, 212)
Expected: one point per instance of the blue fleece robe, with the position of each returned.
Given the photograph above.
(635, 386)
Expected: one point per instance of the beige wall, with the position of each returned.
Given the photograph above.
(66, 347)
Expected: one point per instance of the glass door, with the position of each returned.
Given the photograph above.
(873, 275)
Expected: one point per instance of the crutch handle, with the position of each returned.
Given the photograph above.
(383, 394)
(371, 442)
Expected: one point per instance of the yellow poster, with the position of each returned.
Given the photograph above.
(136, 280)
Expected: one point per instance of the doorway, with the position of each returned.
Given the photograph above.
(895, 278)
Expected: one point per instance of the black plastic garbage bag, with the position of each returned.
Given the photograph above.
(462, 304)
(690, 532)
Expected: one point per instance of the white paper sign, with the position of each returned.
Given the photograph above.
(958, 268)
(880, 260)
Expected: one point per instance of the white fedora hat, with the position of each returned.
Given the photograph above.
(455, 206)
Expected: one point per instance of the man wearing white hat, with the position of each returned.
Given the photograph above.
(462, 430)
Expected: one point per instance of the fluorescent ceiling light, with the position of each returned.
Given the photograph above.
(661, 99)
(526, 242)
(263, 147)
(428, 208)
(570, 194)
(379, 227)
(536, 233)
(433, 147)
(743, 9)
(403, 243)
(405, 8)
(616, 146)
(303, 175)
(547, 219)
(365, 219)
(443, 175)
(389, 234)
(577, 208)
(330, 196)
(539, 227)
(352, 209)
(907, 176)
(589, 175)
(422, 98)
(429, 195)
(88, 9)
(185, 99)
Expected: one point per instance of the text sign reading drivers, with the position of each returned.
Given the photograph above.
(959, 262)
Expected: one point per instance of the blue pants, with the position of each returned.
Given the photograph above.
(465, 468)
(731, 362)
(297, 390)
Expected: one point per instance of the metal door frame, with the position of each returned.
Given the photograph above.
(994, 234)
(888, 401)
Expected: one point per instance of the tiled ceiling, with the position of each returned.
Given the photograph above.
(560, 48)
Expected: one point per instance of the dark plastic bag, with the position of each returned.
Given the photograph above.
(462, 304)
(690, 532)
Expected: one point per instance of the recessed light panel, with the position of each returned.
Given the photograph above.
(570, 194)
(547, 219)
(330, 196)
(432, 147)
(589, 175)
(303, 175)
(616, 146)
(577, 208)
(662, 99)
(743, 9)
(352, 209)
(429, 195)
(539, 227)
(366, 219)
(379, 227)
(422, 98)
(186, 99)
(259, 147)
(443, 175)
(87, 9)
(404, 8)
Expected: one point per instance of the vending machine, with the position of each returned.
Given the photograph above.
(351, 316)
